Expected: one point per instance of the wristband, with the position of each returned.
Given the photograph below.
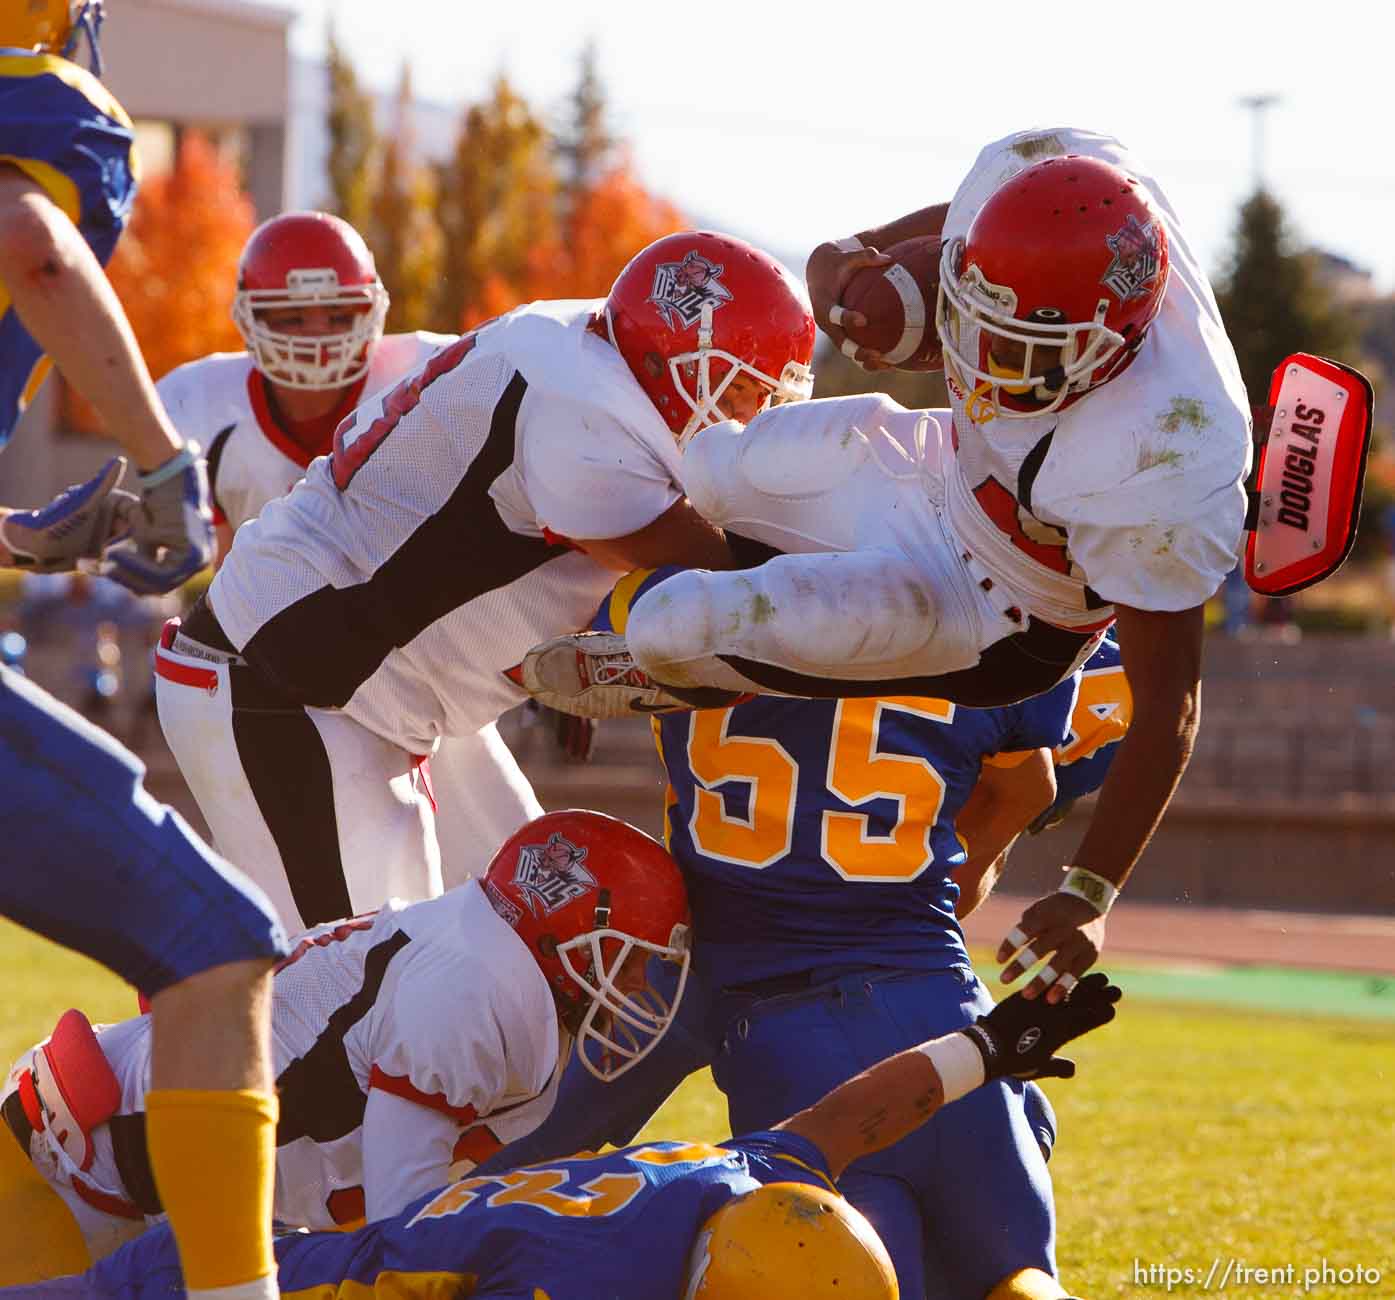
(1089, 885)
(852, 244)
(187, 455)
(958, 1061)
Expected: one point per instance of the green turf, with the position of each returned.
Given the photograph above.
(1193, 1133)
(1261, 988)
(41, 981)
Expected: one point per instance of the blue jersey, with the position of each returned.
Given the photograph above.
(1103, 711)
(592, 1227)
(63, 129)
(776, 806)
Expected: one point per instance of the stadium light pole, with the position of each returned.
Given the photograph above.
(1257, 106)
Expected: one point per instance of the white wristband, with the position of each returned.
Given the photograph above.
(958, 1062)
(1092, 887)
(852, 244)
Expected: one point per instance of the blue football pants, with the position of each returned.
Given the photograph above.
(960, 1203)
(96, 864)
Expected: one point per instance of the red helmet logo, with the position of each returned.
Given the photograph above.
(597, 902)
(551, 875)
(694, 311)
(682, 289)
(1137, 259)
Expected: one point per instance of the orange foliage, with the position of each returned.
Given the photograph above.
(175, 268)
(608, 224)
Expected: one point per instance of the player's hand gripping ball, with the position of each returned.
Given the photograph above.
(899, 303)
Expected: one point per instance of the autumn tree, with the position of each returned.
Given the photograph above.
(611, 220)
(1271, 300)
(497, 208)
(353, 141)
(531, 214)
(402, 229)
(175, 269)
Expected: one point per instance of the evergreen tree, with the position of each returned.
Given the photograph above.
(1272, 301)
(353, 142)
(585, 146)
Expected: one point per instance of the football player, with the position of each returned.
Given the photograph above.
(830, 848)
(93, 861)
(756, 1217)
(402, 1039)
(461, 516)
(310, 308)
(1091, 469)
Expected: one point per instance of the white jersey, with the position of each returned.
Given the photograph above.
(1134, 494)
(408, 571)
(220, 402)
(437, 1005)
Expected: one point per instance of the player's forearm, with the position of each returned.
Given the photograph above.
(1146, 770)
(678, 536)
(924, 221)
(878, 1107)
(978, 878)
(67, 304)
(1001, 806)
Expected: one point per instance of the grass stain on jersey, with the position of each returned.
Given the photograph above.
(1185, 413)
(1165, 544)
(762, 609)
(1036, 147)
(1150, 458)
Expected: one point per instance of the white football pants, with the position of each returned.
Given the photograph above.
(873, 585)
(328, 818)
(482, 797)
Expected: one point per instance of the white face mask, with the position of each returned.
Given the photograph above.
(795, 383)
(968, 309)
(620, 1029)
(312, 362)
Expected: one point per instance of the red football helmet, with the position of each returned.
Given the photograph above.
(302, 259)
(588, 894)
(1052, 289)
(696, 298)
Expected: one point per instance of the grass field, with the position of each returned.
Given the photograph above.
(1194, 1133)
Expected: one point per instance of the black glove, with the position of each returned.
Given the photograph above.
(1021, 1037)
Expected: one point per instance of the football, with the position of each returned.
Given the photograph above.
(899, 304)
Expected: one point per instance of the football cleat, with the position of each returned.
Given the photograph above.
(593, 675)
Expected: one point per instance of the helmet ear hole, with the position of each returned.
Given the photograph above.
(547, 945)
(654, 364)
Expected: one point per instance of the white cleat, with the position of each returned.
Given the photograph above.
(593, 675)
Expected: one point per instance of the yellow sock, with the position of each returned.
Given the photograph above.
(1027, 1284)
(214, 1159)
(39, 1238)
